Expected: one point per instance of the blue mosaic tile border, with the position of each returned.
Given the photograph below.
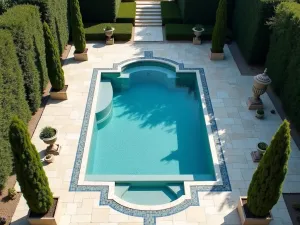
(149, 216)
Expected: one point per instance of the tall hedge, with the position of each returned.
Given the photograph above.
(95, 11)
(54, 13)
(56, 73)
(220, 28)
(250, 30)
(202, 11)
(78, 35)
(29, 169)
(12, 99)
(27, 32)
(266, 184)
(283, 58)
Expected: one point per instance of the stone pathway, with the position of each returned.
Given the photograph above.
(148, 34)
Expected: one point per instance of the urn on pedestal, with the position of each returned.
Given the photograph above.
(261, 82)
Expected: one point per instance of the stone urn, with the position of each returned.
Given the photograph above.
(260, 85)
(49, 158)
(198, 29)
(52, 148)
(198, 32)
(262, 148)
(109, 32)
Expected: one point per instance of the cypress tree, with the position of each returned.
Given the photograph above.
(266, 185)
(29, 169)
(55, 71)
(78, 34)
(220, 28)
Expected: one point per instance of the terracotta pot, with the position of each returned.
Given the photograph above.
(216, 56)
(49, 158)
(46, 220)
(52, 140)
(81, 56)
(59, 95)
(251, 221)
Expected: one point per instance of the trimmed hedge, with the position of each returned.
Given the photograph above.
(12, 99)
(283, 59)
(55, 14)
(26, 29)
(183, 32)
(126, 12)
(170, 13)
(202, 11)
(250, 30)
(94, 32)
(99, 11)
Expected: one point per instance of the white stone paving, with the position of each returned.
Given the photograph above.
(148, 34)
(238, 129)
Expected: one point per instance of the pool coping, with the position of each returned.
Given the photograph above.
(149, 213)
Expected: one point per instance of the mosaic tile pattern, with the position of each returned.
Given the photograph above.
(150, 215)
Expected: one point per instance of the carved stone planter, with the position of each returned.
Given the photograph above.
(59, 95)
(250, 221)
(81, 56)
(216, 56)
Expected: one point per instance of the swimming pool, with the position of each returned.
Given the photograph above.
(149, 133)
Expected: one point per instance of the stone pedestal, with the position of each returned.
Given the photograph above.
(54, 149)
(196, 41)
(110, 41)
(254, 104)
(256, 156)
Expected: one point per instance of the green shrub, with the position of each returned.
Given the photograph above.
(283, 58)
(77, 27)
(56, 73)
(126, 12)
(250, 30)
(47, 132)
(202, 11)
(266, 185)
(6, 162)
(29, 169)
(170, 13)
(219, 32)
(55, 14)
(94, 32)
(26, 30)
(95, 11)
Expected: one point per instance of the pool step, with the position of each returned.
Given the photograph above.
(104, 104)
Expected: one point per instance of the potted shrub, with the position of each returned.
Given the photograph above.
(260, 114)
(12, 194)
(262, 148)
(266, 184)
(43, 207)
(219, 32)
(55, 71)
(49, 158)
(2, 220)
(78, 34)
(49, 136)
(198, 29)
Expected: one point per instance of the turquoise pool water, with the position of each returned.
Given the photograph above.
(149, 126)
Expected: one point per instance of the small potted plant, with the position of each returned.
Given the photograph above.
(198, 29)
(260, 114)
(49, 158)
(109, 31)
(12, 194)
(49, 136)
(2, 220)
(261, 148)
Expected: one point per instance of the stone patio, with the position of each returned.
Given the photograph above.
(239, 131)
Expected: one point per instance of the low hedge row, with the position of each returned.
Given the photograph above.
(26, 29)
(54, 13)
(283, 58)
(94, 32)
(183, 32)
(12, 99)
(170, 13)
(126, 12)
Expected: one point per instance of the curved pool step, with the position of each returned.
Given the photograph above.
(104, 104)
